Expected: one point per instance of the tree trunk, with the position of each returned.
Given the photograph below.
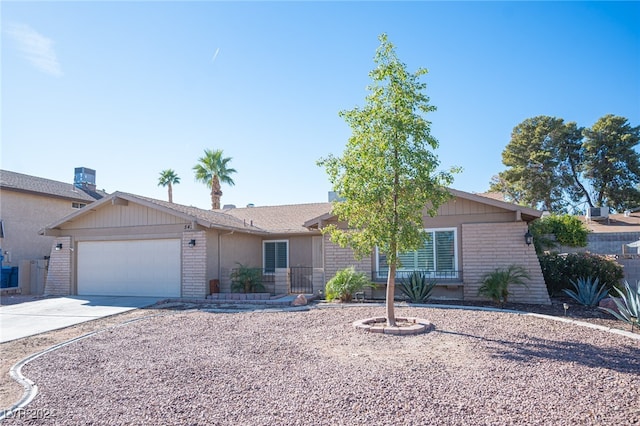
(216, 193)
(391, 290)
(170, 193)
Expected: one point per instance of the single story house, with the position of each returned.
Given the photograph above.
(134, 245)
(29, 203)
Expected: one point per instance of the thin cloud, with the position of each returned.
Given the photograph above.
(35, 48)
(215, 55)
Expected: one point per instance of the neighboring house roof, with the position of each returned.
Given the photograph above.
(206, 218)
(615, 223)
(46, 187)
(287, 219)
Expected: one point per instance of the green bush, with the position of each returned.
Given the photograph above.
(495, 284)
(416, 287)
(568, 231)
(559, 270)
(345, 284)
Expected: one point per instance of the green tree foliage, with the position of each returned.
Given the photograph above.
(387, 175)
(551, 231)
(213, 169)
(612, 164)
(168, 178)
(536, 173)
(553, 165)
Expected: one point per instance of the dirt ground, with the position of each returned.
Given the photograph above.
(14, 351)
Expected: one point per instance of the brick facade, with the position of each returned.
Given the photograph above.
(337, 258)
(487, 246)
(194, 265)
(58, 281)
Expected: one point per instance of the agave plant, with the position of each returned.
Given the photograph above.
(417, 287)
(629, 308)
(588, 292)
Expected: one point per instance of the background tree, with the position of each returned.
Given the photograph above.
(534, 167)
(555, 165)
(168, 178)
(212, 170)
(387, 174)
(611, 163)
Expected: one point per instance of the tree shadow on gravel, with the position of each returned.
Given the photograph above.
(621, 359)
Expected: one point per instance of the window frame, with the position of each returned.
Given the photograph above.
(445, 273)
(267, 269)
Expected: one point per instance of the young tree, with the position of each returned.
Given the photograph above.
(168, 178)
(387, 174)
(611, 163)
(212, 170)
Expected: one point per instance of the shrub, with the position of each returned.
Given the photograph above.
(495, 284)
(629, 307)
(559, 270)
(567, 230)
(345, 283)
(416, 287)
(588, 291)
(247, 280)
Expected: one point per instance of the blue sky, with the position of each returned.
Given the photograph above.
(133, 88)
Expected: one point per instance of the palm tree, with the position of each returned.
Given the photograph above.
(168, 178)
(212, 170)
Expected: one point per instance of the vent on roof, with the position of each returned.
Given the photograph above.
(251, 205)
(85, 178)
(228, 206)
(598, 213)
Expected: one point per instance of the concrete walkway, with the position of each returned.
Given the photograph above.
(30, 318)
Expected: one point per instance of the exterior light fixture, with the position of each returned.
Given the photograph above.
(59, 246)
(192, 243)
(528, 238)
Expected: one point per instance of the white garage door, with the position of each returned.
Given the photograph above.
(129, 268)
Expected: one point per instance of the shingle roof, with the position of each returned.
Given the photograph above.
(287, 219)
(36, 185)
(213, 218)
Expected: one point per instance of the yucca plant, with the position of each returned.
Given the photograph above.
(417, 287)
(588, 291)
(629, 308)
(495, 284)
(345, 283)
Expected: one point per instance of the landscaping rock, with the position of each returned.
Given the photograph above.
(300, 300)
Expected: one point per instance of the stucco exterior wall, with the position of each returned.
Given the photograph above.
(23, 215)
(238, 248)
(487, 246)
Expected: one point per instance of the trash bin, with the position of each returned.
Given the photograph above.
(214, 286)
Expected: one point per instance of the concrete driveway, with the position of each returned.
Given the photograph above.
(29, 318)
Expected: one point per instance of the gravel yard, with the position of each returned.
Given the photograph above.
(314, 368)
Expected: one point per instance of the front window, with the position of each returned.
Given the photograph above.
(275, 255)
(437, 257)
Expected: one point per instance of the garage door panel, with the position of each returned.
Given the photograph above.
(132, 268)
